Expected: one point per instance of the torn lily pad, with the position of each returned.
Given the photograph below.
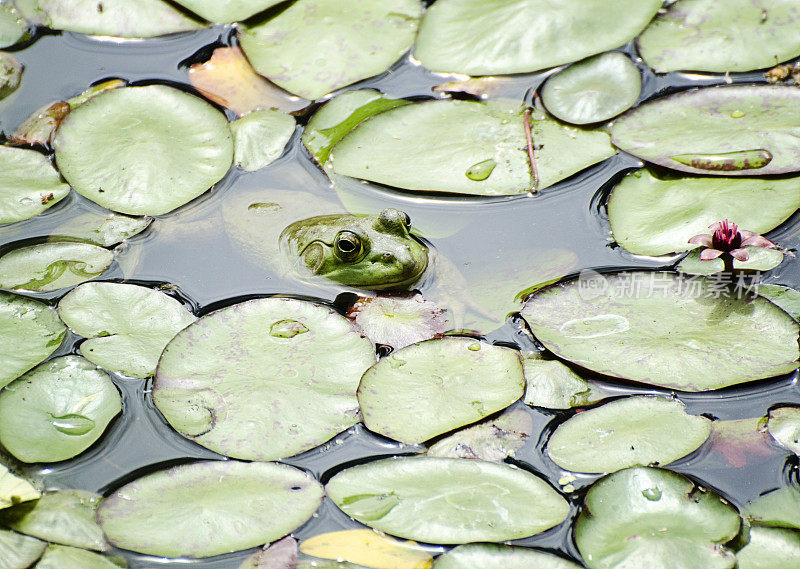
(489, 37)
(245, 503)
(264, 379)
(667, 334)
(492, 556)
(143, 150)
(39, 128)
(128, 326)
(14, 490)
(399, 321)
(51, 266)
(785, 297)
(103, 228)
(551, 384)
(770, 548)
(492, 440)
(784, 426)
(260, 137)
(731, 130)
(447, 500)
(721, 36)
(28, 184)
(634, 431)
(19, 551)
(229, 11)
(62, 557)
(279, 555)
(13, 27)
(369, 548)
(450, 381)
(57, 410)
(10, 74)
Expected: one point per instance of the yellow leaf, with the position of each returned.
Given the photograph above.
(366, 547)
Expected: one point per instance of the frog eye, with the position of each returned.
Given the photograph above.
(406, 219)
(347, 246)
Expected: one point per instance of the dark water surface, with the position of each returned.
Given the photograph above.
(210, 273)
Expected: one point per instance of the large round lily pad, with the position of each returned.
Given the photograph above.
(143, 150)
(316, 46)
(57, 410)
(491, 556)
(635, 431)
(721, 35)
(733, 130)
(653, 212)
(264, 379)
(19, 551)
(661, 329)
(770, 548)
(652, 518)
(487, 37)
(208, 508)
(784, 296)
(228, 11)
(447, 500)
(29, 332)
(433, 387)
(28, 184)
(51, 266)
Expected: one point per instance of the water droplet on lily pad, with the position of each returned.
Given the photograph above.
(652, 494)
(287, 328)
(480, 171)
(73, 424)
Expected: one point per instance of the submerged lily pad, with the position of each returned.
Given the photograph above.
(658, 328)
(493, 440)
(553, 385)
(143, 150)
(264, 379)
(57, 410)
(759, 259)
(721, 35)
(784, 426)
(28, 184)
(770, 548)
(228, 11)
(100, 228)
(654, 518)
(785, 297)
(447, 500)
(634, 431)
(316, 46)
(246, 504)
(780, 508)
(128, 326)
(593, 90)
(732, 130)
(367, 547)
(450, 381)
(741, 442)
(13, 27)
(29, 332)
(399, 321)
(51, 266)
(488, 37)
(491, 556)
(19, 551)
(62, 557)
(260, 137)
(655, 213)
(14, 490)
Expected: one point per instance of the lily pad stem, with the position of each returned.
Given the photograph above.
(529, 139)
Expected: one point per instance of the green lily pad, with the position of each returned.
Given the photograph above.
(51, 266)
(785, 297)
(264, 379)
(780, 508)
(760, 260)
(29, 332)
(100, 228)
(62, 557)
(246, 504)
(128, 326)
(447, 500)
(28, 184)
(13, 27)
(465, 147)
(399, 321)
(316, 46)
(65, 517)
(770, 548)
(493, 440)
(143, 150)
(649, 517)
(491, 556)
(593, 90)
(229, 11)
(19, 551)
(784, 426)
(57, 410)
(10, 74)
(732, 130)
(489, 37)
(450, 381)
(634, 431)
(655, 213)
(14, 490)
(116, 18)
(721, 35)
(661, 329)
(260, 137)
(553, 385)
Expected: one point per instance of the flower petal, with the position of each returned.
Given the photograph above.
(740, 254)
(756, 240)
(703, 239)
(716, 226)
(710, 254)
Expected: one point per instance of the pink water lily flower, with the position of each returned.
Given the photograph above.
(726, 237)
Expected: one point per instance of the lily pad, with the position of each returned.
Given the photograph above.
(10, 74)
(128, 326)
(19, 551)
(245, 503)
(28, 184)
(465, 147)
(780, 508)
(100, 228)
(721, 35)
(491, 556)
(654, 213)
(29, 332)
(39, 128)
(13, 27)
(760, 259)
(51, 266)
(280, 555)
(399, 321)
(661, 329)
(741, 442)
(143, 150)
(229, 11)
(770, 548)
(367, 547)
(634, 431)
(65, 517)
(14, 490)
(492, 440)
(785, 297)
(732, 130)
(260, 137)
(316, 46)
(447, 500)
(450, 381)
(488, 37)
(62, 557)
(784, 426)
(264, 379)
(593, 90)
(649, 517)
(57, 410)
(553, 385)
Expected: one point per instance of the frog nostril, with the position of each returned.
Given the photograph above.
(388, 258)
